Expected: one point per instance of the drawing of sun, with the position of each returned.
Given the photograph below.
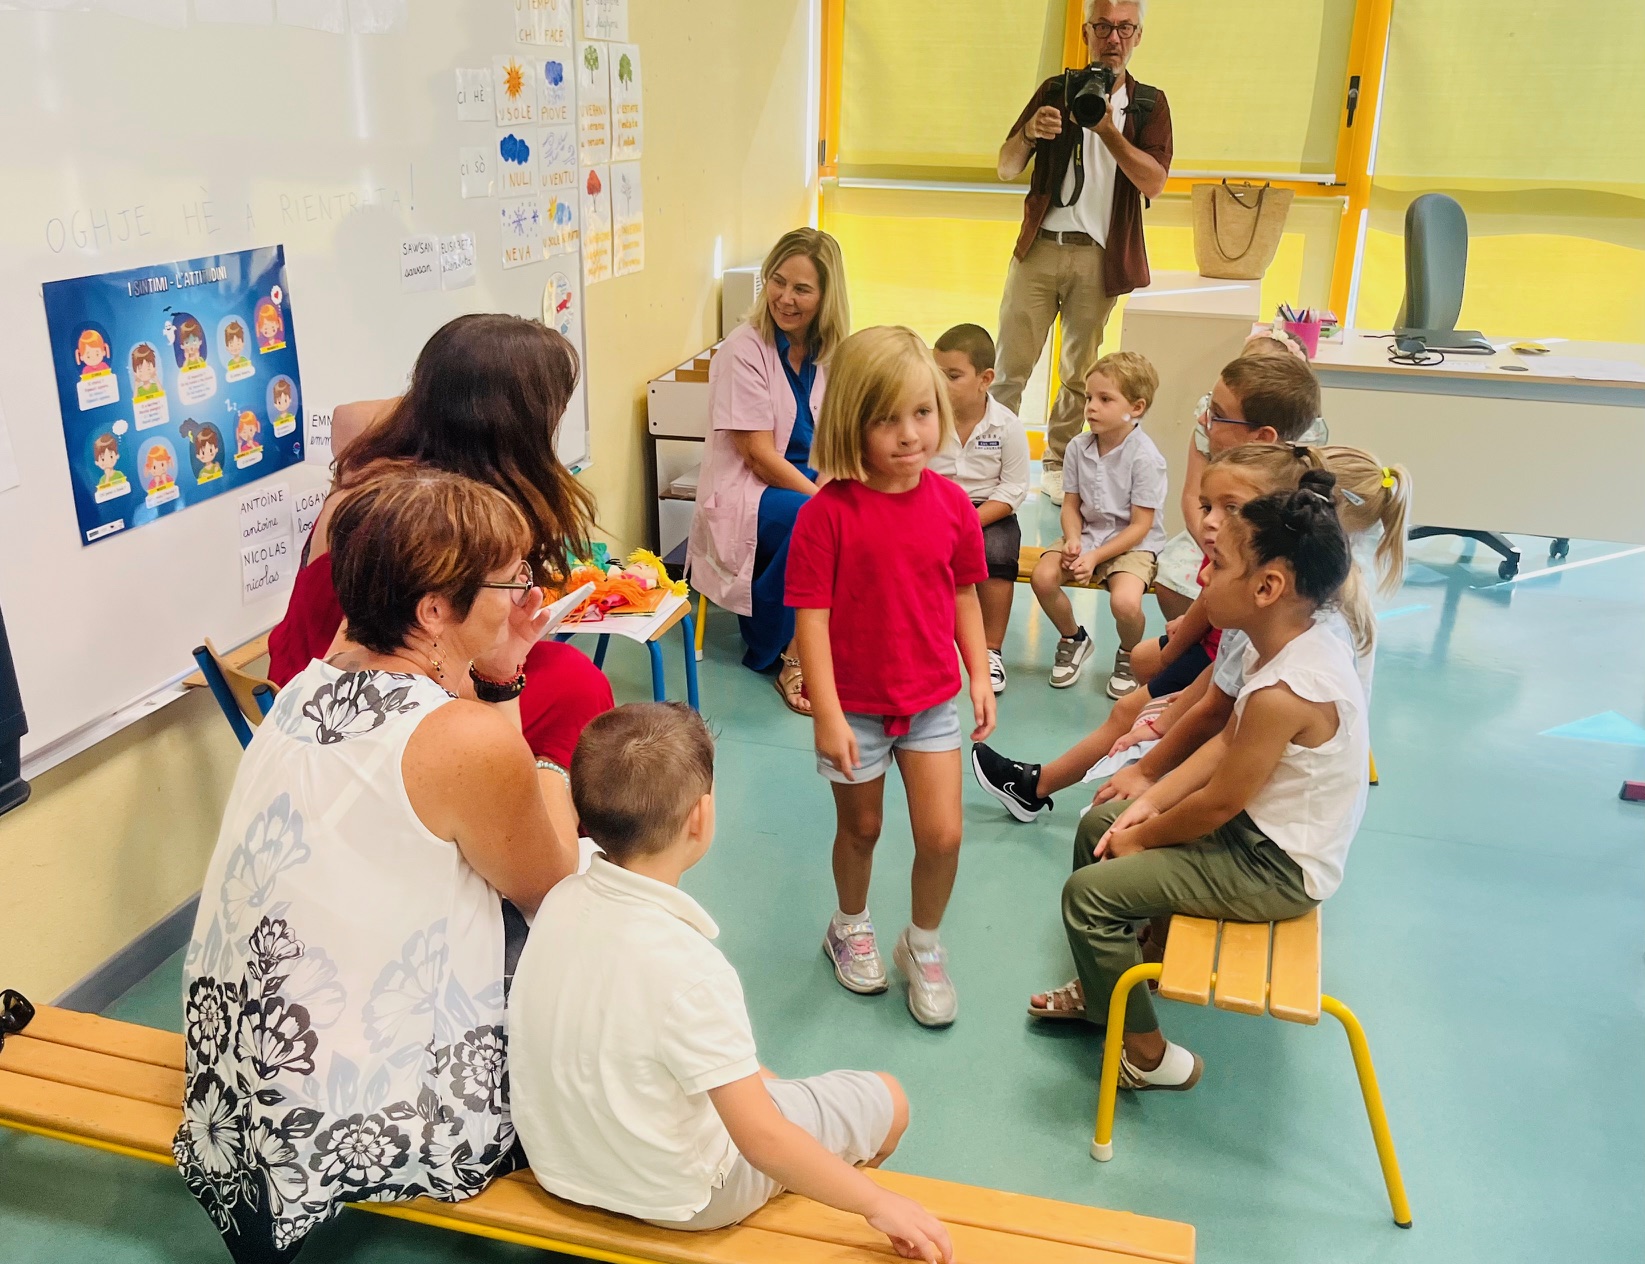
(513, 79)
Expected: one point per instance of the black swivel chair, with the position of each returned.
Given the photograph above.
(1436, 267)
(13, 789)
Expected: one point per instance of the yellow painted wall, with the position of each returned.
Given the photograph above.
(116, 838)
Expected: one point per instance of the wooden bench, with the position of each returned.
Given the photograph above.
(1249, 968)
(119, 1087)
(238, 658)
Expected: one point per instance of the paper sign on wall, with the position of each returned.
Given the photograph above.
(457, 261)
(605, 20)
(596, 225)
(628, 219)
(522, 231)
(419, 264)
(265, 512)
(307, 510)
(317, 437)
(527, 25)
(554, 90)
(554, 22)
(474, 164)
(514, 80)
(557, 159)
(516, 165)
(474, 96)
(558, 152)
(627, 123)
(266, 566)
(593, 104)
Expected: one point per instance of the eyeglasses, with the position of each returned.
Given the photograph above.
(1127, 31)
(522, 583)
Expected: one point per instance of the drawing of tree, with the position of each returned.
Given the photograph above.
(625, 69)
(593, 184)
(591, 58)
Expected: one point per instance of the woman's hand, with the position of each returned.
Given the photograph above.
(526, 622)
(838, 744)
(1117, 840)
(984, 708)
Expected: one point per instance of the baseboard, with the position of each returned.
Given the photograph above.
(140, 958)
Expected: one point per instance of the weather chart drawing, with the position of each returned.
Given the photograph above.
(176, 383)
(628, 219)
(514, 85)
(518, 171)
(627, 123)
(521, 221)
(555, 90)
(593, 104)
(596, 225)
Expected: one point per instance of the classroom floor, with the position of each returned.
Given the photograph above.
(1495, 887)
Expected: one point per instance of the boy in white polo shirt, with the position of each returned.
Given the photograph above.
(988, 457)
(635, 1086)
(1113, 483)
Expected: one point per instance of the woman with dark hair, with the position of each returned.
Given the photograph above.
(486, 397)
(344, 988)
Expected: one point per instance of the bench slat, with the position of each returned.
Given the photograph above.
(1242, 968)
(107, 1035)
(118, 1077)
(1190, 952)
(1293, 980)
(85, 1112)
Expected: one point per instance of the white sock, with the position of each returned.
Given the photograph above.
(922, 940)
(843, 919)
(1174, 1068)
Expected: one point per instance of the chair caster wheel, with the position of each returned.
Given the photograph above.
(1507, 570)
(1559, 550)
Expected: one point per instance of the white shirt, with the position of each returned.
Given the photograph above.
(1228, 672)
(623, 1014)
(1312, 803)
(1095, 208)
(993, 463)
(1132, 473)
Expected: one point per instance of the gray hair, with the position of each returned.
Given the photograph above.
(1091, 7)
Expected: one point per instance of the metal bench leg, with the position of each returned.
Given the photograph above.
(1367, 1073)
(693, 639)
(600, 649)
(1102, 1146)
(659, 683)
(702, 623)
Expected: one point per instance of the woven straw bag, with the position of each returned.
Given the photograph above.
(1237, 228)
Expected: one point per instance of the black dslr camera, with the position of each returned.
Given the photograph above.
(1085, 93)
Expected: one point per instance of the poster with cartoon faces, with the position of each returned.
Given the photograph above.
(176, 382)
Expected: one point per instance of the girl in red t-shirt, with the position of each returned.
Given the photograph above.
(883, 565)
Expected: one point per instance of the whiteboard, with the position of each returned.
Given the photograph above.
(131, 143)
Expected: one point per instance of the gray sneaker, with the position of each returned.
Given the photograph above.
(1051, 484)
(1122, 681)
(931, 997)
(856, 956)
(1071, 656)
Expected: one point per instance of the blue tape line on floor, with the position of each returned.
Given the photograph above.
(1608, 726)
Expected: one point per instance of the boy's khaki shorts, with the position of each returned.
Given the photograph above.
(1138, 562)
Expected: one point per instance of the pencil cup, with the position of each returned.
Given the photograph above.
(1306, 332)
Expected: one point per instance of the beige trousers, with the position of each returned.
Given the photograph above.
(1053, 278)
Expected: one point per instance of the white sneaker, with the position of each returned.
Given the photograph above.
(1070, 660)
(996, 671)
(855, 955)
(931, 998)
(1122, 681)
(1051, 484)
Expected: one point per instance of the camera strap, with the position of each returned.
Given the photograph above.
(1137, 112)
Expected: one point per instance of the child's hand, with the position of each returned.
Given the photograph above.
(1070, 550)
(838, 745)
(1131, 737)
(984, 708)
(1084, 567)
(1129, 782)
(914, 1232)
(1171, 626)
(1116, 841)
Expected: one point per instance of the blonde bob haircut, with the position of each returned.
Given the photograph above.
(873, 373)
(833, 319)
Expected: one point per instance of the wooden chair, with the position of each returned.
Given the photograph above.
(244, 698)
(119, 1087)
(1256, 966)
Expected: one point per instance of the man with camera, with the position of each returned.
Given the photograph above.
(1100, 142)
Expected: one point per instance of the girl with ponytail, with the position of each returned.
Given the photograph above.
(1254, 826)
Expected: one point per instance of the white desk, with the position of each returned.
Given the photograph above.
(1538, 452)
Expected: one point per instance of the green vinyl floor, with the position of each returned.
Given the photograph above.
(1490, 934)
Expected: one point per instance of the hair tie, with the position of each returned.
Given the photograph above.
(1387, 477)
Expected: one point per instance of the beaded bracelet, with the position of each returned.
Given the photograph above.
(487, 690)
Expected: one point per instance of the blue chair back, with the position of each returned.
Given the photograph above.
(260, 693)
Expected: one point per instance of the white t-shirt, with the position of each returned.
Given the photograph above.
(1133, 473)
(1095, 208)
(623, 1014)
(1228, 672)
(993, 463)
(1312, 804)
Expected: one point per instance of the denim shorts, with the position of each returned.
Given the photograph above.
(934, 729)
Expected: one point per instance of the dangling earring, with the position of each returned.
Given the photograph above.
(434, 662)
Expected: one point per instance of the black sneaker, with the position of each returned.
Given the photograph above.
(1013, 784)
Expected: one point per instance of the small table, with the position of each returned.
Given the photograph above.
(649, 631)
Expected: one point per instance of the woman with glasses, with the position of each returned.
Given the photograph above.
(344, 987)
(486, 398)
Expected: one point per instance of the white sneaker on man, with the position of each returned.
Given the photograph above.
(1051, 484)
(996, 671)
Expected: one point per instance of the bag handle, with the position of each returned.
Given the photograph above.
(1256, 219)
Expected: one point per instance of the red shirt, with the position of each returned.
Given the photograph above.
(886, 567)
(1212, 639)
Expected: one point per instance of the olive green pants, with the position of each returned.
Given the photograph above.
(1234, 872)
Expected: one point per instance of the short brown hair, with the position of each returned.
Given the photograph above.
(1131, 372)
(637, 772)
(406, 531)
(1275, 390)
(974, 341)
(104, 443)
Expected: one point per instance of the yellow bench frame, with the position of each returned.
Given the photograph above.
(118, 1087)
(1249, 968)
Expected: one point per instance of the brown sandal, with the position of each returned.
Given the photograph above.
(1064, 1004)
(790, 686)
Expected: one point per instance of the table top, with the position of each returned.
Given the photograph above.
(634, 627)
(1614, 364)
(1189, 294)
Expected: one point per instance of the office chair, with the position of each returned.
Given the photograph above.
(1436, 266)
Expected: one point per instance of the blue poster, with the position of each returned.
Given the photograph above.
(177, 382)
